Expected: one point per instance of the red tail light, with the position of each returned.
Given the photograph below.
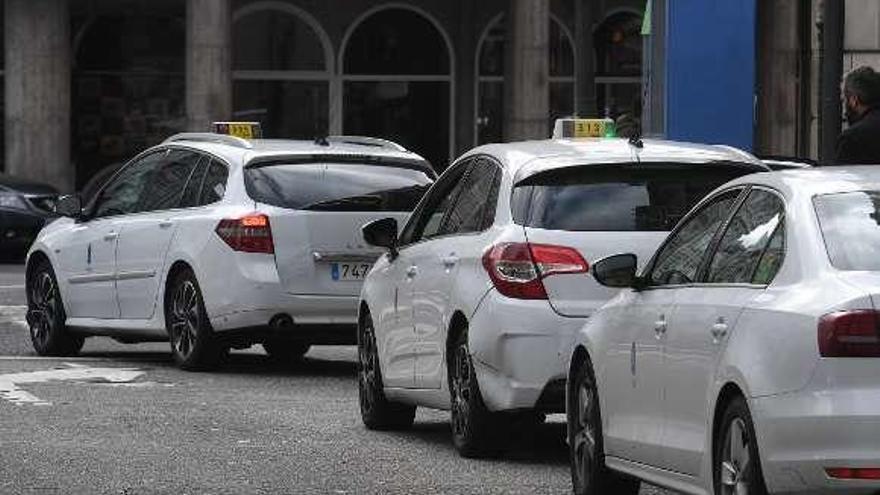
(517, 269)
(853, 473)
(852, 333)
(249, 234)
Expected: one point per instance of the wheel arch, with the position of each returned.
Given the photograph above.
(458, 323)
(729, 391)
(580, 356)
(175, 268)
(32, 261)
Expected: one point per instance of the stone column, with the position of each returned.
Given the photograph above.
(208, 63)
(527, 94)
(37, 91)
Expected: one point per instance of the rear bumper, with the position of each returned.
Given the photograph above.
(802, 434)
(518, 348)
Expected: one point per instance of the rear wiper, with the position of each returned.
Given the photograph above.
(346, 203)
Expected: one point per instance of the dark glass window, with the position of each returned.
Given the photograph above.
(850, 224)
(615, 198)
(474, 206)
(193, 187)
(396, 41)
(214, 186)
(168, 180)
(271, 39)
(772, 258)
(746, 239)
(124, 192)
(427, 220)
(680, 257)
(337, 186)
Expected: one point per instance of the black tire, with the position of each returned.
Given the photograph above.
(193, 343)
(283, 351)
(476, 431)
(736, 465)
(46, 317)
(377, 412)
(589, 475)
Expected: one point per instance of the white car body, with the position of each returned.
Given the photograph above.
(519, 347)
(668, 357)
(112, 271)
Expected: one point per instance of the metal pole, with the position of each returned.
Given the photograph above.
(831, 57)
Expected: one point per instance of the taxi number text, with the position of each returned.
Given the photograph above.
(343, 272)
(582, 129)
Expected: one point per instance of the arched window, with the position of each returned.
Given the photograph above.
(618, 43)
(397, 82)
(490, 76)
(128, 87)
(282, 69)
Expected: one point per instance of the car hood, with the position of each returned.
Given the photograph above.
(25, 186)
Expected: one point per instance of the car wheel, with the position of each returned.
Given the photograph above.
(377, 412)
(475, 429)
(737, 466)
(193, 343)
(589, 476)
(46, 317)
(286, 351)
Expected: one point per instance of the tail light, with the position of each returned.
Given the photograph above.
(517, 269)
(853, 473)
(852, 333)
(248, 234)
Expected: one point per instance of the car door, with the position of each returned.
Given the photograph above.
(745, 259)
(87, 258)
(635, 377)
(459, 246)
(144, 240)
(397, 341)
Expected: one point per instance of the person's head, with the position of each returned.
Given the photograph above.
(861, 92)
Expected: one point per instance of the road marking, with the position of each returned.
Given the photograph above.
(13, 315)
(9, 383)
(11, 287)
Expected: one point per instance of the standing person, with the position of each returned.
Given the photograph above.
(860, 143)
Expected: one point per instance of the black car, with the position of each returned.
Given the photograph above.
(25, 206)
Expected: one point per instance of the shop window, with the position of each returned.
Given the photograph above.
(618, 43)
(490, 86)
(397, 82)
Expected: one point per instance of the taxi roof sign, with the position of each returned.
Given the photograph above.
(584, 128)
(243, 130)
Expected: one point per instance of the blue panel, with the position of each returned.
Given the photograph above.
(710, 71)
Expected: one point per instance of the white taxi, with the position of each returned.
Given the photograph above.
(475, 304)
(744, 358)
(213, 242)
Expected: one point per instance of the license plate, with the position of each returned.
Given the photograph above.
(349, 272)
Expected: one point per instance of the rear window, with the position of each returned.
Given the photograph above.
(850, 224)
(337, 186)
(652, 197)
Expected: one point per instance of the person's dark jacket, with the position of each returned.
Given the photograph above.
(860, 144)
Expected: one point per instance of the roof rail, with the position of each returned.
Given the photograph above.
(366, 141)
(210, 137)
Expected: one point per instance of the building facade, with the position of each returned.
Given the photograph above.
(89, 83)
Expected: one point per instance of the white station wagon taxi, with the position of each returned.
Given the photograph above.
(214, 241)
(475, 305)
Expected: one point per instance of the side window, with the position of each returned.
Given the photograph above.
(772, 258)
(474, 208)
(214, 186)
(679, 259)
(747, 239)
(123, 194)
(194, 185)
(426, 221)
(168, 180)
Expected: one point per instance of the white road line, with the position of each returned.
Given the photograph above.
(13, 315)
(10, 391)
(11, 287)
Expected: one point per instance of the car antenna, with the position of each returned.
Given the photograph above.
(636, 140)
(321, 140)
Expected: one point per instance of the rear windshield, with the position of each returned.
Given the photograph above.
(623, 198)
(850, 224)
(337, 186)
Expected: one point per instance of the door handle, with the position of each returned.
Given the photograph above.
(660, 327)
(411, 272)
(719, 330)
(449, 261)
(111, 236)
(165, 224)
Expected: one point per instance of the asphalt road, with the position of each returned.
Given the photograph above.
(121, 419)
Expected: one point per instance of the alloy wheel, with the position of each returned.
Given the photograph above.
(461, 391)
(736, 460)
(368, 376)
(584, 437)
(43, 311)
(185, 318)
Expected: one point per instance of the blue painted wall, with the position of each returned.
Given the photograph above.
(710, 71)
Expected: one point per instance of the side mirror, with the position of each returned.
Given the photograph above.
(618, 271)
(69, 206)
(382, 233)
